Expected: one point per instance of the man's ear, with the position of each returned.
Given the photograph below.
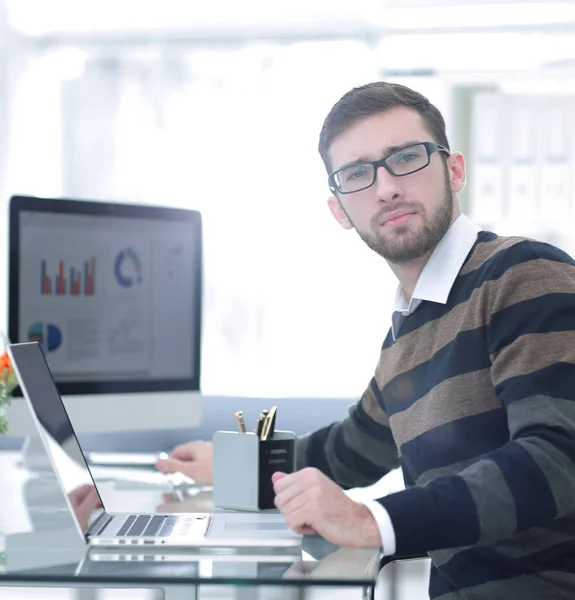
(338, 213)
(456, 166)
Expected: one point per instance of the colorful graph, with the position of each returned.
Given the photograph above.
(76, 284)
(127, 268)
(48, 335)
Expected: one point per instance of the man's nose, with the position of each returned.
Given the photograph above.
(387, 186)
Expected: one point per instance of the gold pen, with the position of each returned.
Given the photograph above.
(264, 417)
(268, 431)
(241, 425)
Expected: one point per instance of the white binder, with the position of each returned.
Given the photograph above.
(487, 199)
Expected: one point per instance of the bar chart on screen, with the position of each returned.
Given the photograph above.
(68, 281)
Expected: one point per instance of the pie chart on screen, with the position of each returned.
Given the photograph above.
(48, 335)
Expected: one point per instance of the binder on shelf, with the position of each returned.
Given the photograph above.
(524, 165)
(487, 197)
(556, 134)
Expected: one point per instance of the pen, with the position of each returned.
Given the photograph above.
(241, 425)
(272, 427)
(260, 425)
(269, 424)
(264, 416)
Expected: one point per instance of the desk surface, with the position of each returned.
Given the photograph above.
(39, 543)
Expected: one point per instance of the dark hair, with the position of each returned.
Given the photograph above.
(373, 98)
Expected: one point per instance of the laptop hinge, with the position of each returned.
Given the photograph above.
(99, 525)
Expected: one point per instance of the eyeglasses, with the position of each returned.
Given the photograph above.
(405, 161)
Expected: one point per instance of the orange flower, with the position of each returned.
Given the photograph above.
(5, 362)
(8, 381)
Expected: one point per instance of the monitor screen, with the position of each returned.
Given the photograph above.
(111, 292)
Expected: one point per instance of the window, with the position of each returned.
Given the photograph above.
(293, 305)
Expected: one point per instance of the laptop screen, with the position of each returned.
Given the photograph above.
(56, 432)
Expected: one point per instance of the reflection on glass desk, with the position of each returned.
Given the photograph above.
(343, 567)
(40, 544)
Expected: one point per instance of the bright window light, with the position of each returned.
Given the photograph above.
(65, 64)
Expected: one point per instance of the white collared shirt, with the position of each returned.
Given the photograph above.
(439, 274)
(434, 285)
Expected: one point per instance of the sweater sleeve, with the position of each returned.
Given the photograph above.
(356, 452)
(530, 480)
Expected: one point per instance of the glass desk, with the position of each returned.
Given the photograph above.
(39, 546)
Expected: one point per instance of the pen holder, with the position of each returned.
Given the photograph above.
(243, 466)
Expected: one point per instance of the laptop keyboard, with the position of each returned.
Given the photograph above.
(154, 525)
(157, 525)
(127, 524)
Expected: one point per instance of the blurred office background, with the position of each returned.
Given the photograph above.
(218, 105)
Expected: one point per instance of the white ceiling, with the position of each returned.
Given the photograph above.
(280, 18)
(454, 37)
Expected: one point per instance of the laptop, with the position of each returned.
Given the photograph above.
(105, 529)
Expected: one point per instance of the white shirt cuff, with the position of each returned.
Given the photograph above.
(383, 520)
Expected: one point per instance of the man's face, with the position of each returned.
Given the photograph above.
(422, 202)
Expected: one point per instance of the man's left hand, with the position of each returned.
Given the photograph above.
(311, 503)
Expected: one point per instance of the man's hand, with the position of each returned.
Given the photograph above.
(311, 503)
(193, 459)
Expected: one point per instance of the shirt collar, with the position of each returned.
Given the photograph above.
(439, 274)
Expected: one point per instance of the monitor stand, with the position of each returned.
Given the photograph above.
(34, 455)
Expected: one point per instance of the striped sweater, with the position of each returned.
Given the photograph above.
(476, 401)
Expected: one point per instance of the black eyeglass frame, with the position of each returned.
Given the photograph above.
(430, 147)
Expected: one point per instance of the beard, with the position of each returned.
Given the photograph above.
(403, 244)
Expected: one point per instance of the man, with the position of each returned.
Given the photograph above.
(474, 391)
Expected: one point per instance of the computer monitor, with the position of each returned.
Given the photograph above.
(112, 292)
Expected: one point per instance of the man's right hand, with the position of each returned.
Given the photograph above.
(193, 459)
